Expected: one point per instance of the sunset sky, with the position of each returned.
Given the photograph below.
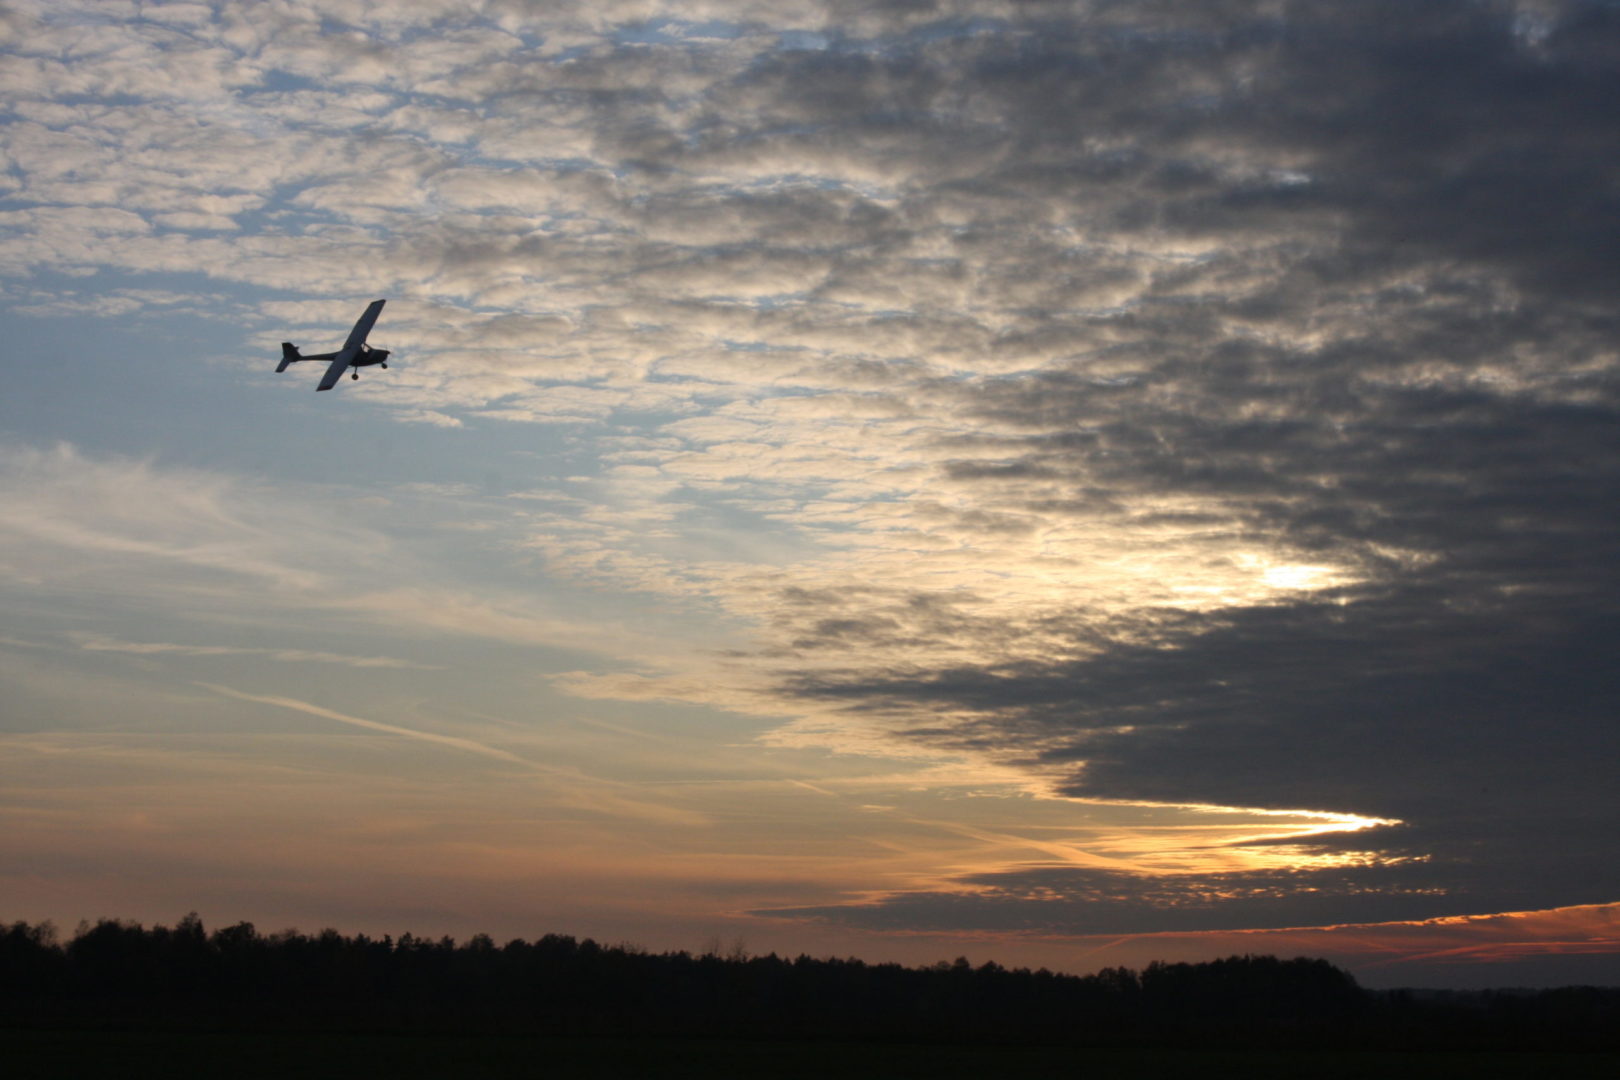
(1067, 484)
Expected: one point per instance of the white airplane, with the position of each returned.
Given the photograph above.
(354, 354)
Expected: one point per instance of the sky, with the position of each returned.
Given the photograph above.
(1068, 484)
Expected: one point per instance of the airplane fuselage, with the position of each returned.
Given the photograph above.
(368, 356)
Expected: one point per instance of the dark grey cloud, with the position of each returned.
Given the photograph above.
(1053, 900)
(1389, 135)
(1399, 356)
(1463, 130)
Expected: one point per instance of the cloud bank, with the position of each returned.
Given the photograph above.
(1194, 407)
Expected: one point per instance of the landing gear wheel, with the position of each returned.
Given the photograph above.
(385, 367)
(354, 375)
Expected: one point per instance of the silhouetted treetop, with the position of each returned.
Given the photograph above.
(121, 973)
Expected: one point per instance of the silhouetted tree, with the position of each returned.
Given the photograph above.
(116, 972)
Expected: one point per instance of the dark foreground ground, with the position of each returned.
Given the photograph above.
(82, 1055)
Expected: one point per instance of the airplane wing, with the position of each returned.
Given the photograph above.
(339, 365)
(357, 336)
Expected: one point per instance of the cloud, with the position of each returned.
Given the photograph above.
(1194, 406)
(184, 544)
(1078, 902)
(97, 643)
(1405, 445)
(77, 519)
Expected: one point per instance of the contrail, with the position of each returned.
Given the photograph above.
(468, 745)
(570, 786)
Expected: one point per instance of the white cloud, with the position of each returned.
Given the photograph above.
(188, 543)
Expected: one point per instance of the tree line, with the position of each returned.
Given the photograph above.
(116, 973)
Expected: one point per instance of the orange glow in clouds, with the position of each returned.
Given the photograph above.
(1400, 953)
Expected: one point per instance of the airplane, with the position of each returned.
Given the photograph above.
(354, 354)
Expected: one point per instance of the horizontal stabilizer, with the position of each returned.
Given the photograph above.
(289, 353)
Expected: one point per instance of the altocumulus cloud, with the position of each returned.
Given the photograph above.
(1208, 406)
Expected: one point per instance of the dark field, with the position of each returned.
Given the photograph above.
(25, 1055)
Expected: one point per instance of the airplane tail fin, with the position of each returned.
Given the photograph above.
(289, 353)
